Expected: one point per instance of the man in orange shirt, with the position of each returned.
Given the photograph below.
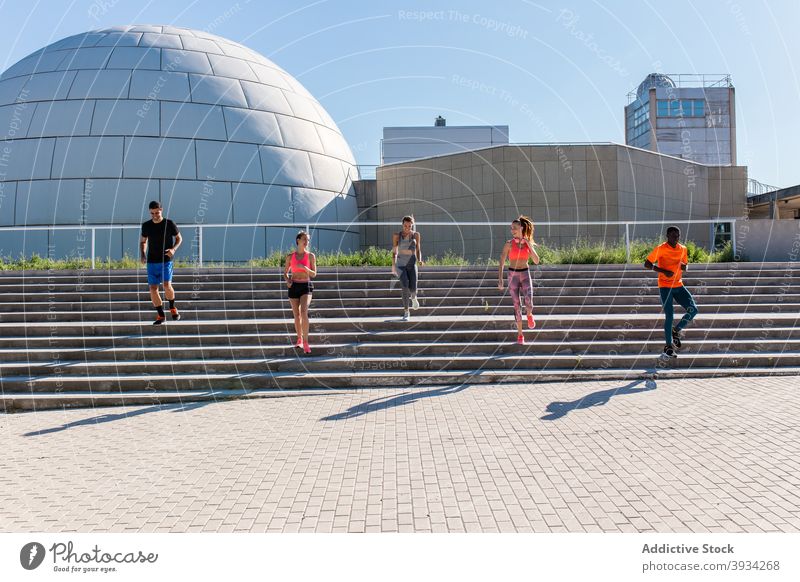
(669, 260)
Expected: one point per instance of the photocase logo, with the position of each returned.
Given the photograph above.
(32, 555)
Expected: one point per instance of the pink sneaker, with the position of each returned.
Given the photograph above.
(520, 339)
(531, 323)
(299, 344)
(306, 348)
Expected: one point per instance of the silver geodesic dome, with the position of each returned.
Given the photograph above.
(98, 124)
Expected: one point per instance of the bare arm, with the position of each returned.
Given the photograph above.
(395, 242)
(503, 257)
(178, 240)
(419, 248)
(142, 247)
(312, 265)
(286, 270)
(534, 254)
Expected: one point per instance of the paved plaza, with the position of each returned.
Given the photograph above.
(659, 456)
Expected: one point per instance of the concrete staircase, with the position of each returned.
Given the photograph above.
(86, 339)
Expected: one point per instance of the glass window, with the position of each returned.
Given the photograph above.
(699, 108)
(662, 108)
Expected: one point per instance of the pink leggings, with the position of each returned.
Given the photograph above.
(519, 284)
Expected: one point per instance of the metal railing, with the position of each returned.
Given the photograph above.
(348, 226)
(756, 188)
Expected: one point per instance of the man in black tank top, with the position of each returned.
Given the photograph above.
(161, 238)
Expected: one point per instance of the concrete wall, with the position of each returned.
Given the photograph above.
(604, 182)
(768, 240)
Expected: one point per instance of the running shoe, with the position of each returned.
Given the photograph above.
(159, 320)
(175, 315)
(406, 315)
(531, 323)
(414, 303)
(520, 339)
(669, 352)
(306, 348)
(676, 337)
(299, 344)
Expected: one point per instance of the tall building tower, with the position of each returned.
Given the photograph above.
(687, 116)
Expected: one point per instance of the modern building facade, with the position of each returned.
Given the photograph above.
(550, 183)
(98, 124)
(688, 116)
(400, 144)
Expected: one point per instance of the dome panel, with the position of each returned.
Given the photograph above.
(217, 90)
(135, 58)
(181, 196)
(86, 58)
(40, 202)
(314, 205)
(194, 120)
(237, 162)
(334, 145)
(15, 120)
(286, 167)
(229, 67)
(62, 118)
(11, 90)
(112, 117)
(185, 61)
(299, 134)
(42, 63)
(193, 43)
(31, 158)
(171, 41)
(48, 86)
(87, 157)
(303, 108)
(156, 157)
(162, 85)
(270, 76)
(266, 98)
(105, 84)
(328, 174)
(259, 127)
(119, 39)
(146, 28)
(262, 203)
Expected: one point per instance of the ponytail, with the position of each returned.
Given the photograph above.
(527, 227)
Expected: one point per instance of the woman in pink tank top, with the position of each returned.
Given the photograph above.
(301, 267)
(519, 250)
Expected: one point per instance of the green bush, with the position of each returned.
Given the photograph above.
(580, 253)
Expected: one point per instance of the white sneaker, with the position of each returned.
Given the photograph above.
(406, 315)
(414, 303)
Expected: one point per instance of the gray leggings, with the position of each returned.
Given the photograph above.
(408, 280)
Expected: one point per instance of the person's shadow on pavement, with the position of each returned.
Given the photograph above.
(558, 409)
(394, 401)
(179, 407)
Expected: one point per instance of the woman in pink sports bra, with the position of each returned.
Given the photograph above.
(301, 266)
(519, 250)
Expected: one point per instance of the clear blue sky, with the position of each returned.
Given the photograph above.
(551, 71)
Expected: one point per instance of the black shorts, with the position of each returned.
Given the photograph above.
(297, 290)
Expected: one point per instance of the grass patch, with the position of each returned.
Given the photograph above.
(580, 253)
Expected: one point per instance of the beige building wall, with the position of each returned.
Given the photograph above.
(549, 183)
